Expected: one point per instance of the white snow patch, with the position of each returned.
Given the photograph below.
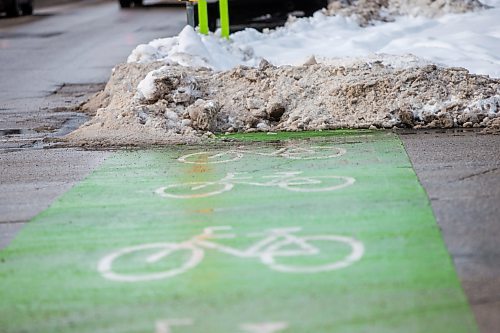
(470, 40)
(147, 87)
(191, 49)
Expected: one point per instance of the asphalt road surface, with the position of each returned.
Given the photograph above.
(55, 59)
(50, 59)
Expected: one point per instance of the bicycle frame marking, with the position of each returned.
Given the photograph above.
(294, 153)
(270, 327)
(266, 249)
(165, 325)
(288, 180)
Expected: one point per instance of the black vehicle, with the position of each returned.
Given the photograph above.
(16, 7)
(248, 11)
(128, 3)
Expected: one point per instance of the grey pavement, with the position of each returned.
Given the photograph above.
(32, 179)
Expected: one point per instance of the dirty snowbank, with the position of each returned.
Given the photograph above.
(366, 12)
(188, 104)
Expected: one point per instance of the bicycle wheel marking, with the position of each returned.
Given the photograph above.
(105, 266)
(192, 187)
(204, 158)
(357, 250)
(312, 153)
(347, 181)
(121, 253)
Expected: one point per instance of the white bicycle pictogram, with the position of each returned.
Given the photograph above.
(294, 153)
(288, 180)
(275, 244)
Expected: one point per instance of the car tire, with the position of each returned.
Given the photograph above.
(13, 9)
(27, 8)
(125, 3)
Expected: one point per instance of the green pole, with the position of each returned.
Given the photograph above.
(224, 18)
(203, 16)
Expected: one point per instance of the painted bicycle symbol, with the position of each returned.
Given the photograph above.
(167, 326)
(294, 153)
(275, 245)
(288, 180)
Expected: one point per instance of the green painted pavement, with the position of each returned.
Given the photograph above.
(368, 256)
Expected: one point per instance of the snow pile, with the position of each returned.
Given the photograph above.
(369, 11)
(324, 72)
(192, 50)
(470, 40)
(187, 104)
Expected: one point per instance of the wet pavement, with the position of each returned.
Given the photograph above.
(57, 58)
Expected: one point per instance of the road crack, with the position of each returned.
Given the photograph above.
(479, 174)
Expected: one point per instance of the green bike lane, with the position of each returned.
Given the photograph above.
(340, 239)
